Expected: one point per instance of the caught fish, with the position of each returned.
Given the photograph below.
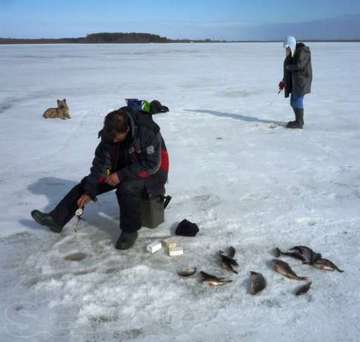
(303, 253)
(187, 272)
(257, 283)
(326, 265)
(306, 253)
(228, 261)
(212, 280)
(303, 289)
(283, 268)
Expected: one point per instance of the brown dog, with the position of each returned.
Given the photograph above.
(61, 112)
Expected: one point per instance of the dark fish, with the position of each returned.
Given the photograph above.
(257, 282)
(307, 254)
(283, 268)
(277, 253)
(303, 289)
(326, 265)
(213, 280)
(187, 272)
(303, 253)
(228, 263)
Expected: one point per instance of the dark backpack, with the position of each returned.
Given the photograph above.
(142, 112)
(153, 107)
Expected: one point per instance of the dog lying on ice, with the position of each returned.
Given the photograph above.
(61, 112)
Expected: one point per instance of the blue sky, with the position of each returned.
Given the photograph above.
(225, 19)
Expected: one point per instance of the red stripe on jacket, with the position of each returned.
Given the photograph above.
(164, 165)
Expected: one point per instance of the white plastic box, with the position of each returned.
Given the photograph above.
(154, 247)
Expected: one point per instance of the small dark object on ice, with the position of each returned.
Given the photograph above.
(228, 261)
(303, 289)
(283, 268)
(326, 265)
(187, 228)
(257, 283)
(187, 272)
(303, 253)
(212, 280)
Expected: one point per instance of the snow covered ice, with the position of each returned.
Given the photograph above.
(246, 181)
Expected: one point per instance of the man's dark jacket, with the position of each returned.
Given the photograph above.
(143, 156)
(298, 72)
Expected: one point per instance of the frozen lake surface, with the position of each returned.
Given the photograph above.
(243, 178)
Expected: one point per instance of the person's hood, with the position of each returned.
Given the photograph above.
(302, 46)
(290, 42)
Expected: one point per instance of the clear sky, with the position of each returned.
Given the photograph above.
(221, 19)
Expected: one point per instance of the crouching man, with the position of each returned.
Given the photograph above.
(131, 159)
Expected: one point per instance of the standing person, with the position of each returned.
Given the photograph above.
(131, 159)
(297, 78)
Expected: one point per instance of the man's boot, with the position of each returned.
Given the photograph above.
(46, 220)
(299, 119)
(126, 240)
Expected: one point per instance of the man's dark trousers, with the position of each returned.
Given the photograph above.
(129, 195)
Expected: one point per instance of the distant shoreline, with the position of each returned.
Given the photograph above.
(106, 38)
(176, 42)
(143, 38)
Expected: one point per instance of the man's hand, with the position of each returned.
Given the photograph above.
(113, 179)
(83, 201)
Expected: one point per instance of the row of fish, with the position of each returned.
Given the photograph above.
(257, 280)
(309, 257)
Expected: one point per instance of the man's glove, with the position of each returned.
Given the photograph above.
(282, 85)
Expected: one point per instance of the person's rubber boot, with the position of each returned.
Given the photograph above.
(301, 117)
(46, 220)
(299, 121)
(126, 240)
(291, 124)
